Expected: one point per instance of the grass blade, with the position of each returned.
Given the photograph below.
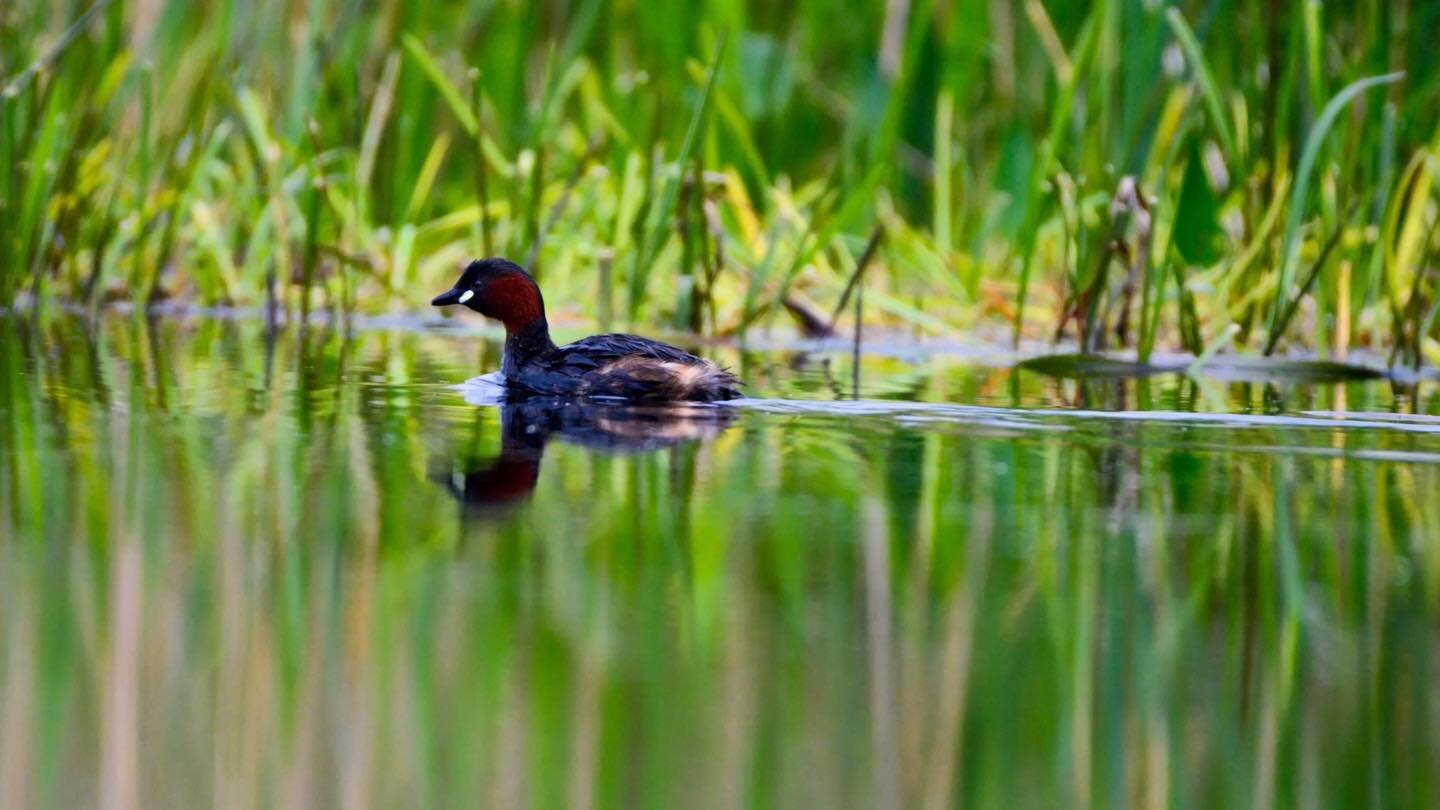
(1214, 103)
(427, 64)
(1300, 192)
(660, 214)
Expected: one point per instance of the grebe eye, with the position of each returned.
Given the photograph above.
(466, 296)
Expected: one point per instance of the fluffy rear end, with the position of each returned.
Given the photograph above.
(654, 380)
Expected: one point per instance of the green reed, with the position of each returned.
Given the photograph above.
(568, 132)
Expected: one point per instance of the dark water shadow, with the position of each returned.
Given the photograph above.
(493, 486)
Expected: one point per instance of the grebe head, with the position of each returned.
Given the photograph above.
(500, 289)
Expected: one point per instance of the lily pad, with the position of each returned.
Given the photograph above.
(1080, 366)
(1273, 370)
(1255, 369)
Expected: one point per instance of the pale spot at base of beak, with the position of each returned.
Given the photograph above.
(466, 296)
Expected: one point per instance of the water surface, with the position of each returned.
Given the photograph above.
(310, 570)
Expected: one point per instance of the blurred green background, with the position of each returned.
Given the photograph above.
(694, 164)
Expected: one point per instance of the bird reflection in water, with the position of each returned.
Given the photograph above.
(492, 487)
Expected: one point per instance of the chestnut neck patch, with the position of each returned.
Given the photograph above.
(514, 301)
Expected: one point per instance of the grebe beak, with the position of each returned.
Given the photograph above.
(455, 296)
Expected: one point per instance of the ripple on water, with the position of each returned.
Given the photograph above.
(1049, 417)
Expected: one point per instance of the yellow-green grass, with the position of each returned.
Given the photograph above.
(690, 166)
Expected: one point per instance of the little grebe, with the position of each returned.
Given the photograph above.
(622, 366)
